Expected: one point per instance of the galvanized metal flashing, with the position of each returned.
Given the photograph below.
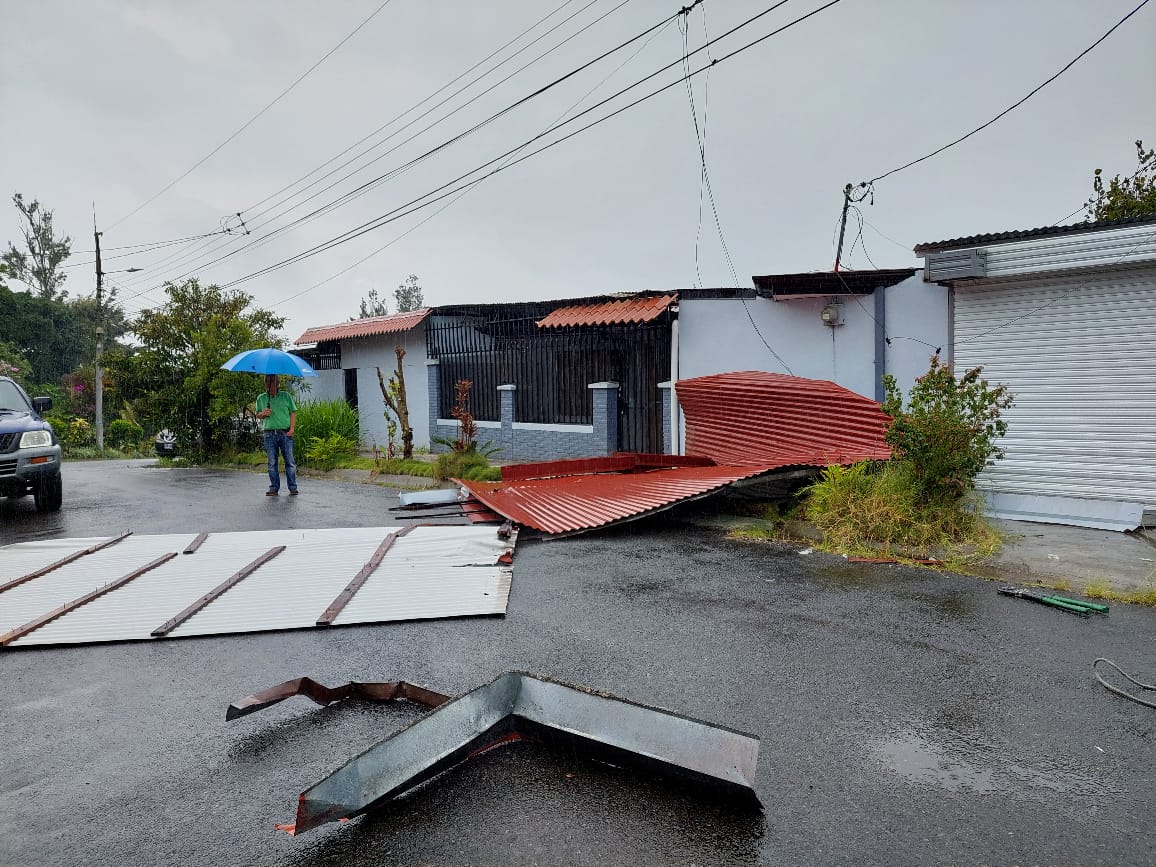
(394, 690)
(517, 703)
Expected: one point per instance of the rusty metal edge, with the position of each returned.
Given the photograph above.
(172, 623)
(33, 625)
(344, 597)
(599, 724)
(394, 690)
(76, 555)
(196, 543)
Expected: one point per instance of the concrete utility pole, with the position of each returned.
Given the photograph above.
(842, 224)
(98, 379)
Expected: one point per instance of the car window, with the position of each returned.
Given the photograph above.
(11, 398)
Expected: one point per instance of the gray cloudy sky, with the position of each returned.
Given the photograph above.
(107, 101)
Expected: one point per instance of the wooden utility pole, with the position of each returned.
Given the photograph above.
(98, 382)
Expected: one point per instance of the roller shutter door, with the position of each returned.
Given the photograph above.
(1080, 357)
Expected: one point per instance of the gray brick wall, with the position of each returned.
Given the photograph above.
(524, 443)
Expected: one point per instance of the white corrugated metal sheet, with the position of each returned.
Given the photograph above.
(1080, 358)
(1112, 247)
(444, 571)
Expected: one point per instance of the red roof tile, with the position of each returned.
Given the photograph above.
(756, 417)
(629, 310)
(394, 323)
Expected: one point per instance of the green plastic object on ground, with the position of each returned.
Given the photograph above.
(1092, 606)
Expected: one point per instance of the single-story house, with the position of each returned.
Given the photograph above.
(346, 357)
(1065, 317)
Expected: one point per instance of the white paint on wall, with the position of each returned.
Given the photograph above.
(553, 428)
(329, 385)
(918, 322)
(366, 354)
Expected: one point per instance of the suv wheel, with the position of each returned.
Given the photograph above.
(49, 494)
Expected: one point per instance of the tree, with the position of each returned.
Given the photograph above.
(371, 305)
(393, 393)
(38, 267)
(1132, 196)
(175, 375)
(408, 295)
(47, 333)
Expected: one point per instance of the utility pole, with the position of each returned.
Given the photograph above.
(842, 225)
(98, 379)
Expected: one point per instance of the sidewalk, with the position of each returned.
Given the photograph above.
(1055, 553)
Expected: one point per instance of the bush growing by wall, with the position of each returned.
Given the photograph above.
(322, 419)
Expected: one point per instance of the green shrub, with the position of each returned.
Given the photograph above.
(123, 434)
(864, 506)
(458, 465)
(325, 453)
(323, 419)
(73, 434)
(948, 430)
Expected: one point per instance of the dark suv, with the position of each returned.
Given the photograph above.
(29, 453)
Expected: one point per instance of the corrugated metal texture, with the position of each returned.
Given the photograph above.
(1031, 234)
(394, 323)
(289, 592)
(572, 503)
(419, 581)
(1080, 358)
(20, 559)
(778, 420)
(627, 311)
(28, 601)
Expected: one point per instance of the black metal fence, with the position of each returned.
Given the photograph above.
(553, 368)
(324, 356)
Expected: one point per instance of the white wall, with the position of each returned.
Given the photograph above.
(329, 385)
(917, 315)
(366, 354)
(716, 336)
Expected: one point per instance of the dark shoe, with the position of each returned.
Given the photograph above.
(293, 493)
(271, 493)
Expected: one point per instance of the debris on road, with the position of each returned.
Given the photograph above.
(304, 579)
(1121, 692)
(394, 690)
(1074, 606)
(742, 429)
(517, 705)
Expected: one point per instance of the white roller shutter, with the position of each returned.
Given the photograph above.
(1080, 357)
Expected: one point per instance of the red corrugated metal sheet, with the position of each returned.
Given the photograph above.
(626, 311)
(619, 462)
(754, 417)
(394, 323)
(573, 503)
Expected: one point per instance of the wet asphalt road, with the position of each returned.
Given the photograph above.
(906, 717)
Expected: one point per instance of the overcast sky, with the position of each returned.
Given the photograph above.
(108, 101)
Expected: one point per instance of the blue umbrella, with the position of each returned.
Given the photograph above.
(269, 361)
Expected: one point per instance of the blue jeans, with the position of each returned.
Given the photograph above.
(274, 440)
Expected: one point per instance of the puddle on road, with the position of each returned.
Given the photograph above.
(956, 763)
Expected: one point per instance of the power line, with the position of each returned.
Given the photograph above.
(369, 185)
(399, 212)
(467, 189)
(251, 120)
(1014, 105)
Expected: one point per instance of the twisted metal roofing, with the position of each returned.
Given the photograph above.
(630, 310)
(753, 417)
(394, 323)
(572, 503)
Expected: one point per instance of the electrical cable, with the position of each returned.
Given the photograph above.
(367, 186)
(1014, 105)
(465, 191)
(382, 220)
(252, 119)
(1117, 690)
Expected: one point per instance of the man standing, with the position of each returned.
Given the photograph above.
(278, 413)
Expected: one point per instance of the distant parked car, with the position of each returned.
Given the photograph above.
(166, 443)
(29, 452)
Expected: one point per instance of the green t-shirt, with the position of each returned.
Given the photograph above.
(282, 404)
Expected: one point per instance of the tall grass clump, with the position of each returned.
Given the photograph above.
(324, 419)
